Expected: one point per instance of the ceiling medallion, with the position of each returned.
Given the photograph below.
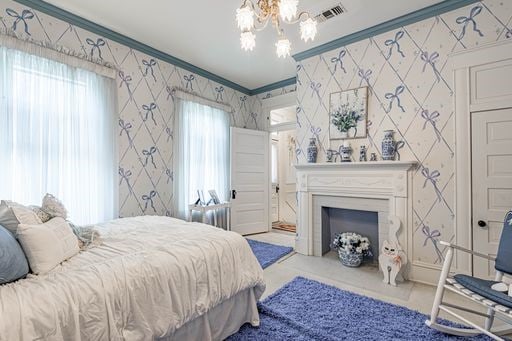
(251, 18)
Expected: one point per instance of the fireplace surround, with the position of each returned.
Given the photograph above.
(384, 187)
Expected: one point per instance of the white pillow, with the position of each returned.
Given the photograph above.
(12, 214)
(47, 245)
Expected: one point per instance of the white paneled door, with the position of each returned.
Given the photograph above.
(492, 182)
(250, 181)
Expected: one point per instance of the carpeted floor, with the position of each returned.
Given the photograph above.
(308, 310)
(266, 253)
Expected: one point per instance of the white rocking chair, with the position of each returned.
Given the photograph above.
(498, 304)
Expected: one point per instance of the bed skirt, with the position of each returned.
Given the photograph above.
(221, 321)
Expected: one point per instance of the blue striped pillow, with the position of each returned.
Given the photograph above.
(13, 263)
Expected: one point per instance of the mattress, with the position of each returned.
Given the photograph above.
(150, 277)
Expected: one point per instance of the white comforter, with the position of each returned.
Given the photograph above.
(151, 276)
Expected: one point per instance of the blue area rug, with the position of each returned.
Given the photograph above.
(266, 253)
(308, 310)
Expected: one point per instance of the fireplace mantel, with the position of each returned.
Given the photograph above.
(387, 180)
(369, 165)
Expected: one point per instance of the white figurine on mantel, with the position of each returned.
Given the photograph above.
(392, 258)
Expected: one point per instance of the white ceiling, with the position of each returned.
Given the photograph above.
(204, 32)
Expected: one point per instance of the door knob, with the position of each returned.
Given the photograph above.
(482, 223)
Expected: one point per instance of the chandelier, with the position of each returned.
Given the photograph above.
(251, 18)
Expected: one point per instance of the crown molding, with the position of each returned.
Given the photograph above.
(410, 18)
(273, 86)
(88, 25)
(404, 20)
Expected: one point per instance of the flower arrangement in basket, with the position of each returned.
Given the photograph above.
(352, 248)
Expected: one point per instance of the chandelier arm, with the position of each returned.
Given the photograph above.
(261, 28)
(292, 22)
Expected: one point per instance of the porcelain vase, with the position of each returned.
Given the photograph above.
(390, 147)
(312, 150)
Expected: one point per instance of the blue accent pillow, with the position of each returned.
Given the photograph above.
(13, 263)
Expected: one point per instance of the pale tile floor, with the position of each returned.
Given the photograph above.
(328, 270)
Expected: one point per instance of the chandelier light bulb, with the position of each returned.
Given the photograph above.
(283, 47)
(247, 40)
(245, 18)
(308, 29)
(288, 9)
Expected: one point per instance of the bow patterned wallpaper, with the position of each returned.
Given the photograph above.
(410, 91)
(145, 121)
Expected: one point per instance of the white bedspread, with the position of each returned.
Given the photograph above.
(152, 275)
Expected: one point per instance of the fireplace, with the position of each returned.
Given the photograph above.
(381, 189)
(340, 220)
(336, 214)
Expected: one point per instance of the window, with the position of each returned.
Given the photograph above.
(201, 159)
(57, 135)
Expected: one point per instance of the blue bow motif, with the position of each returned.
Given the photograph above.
(149, 111)
(170, 175)
(149, 155)
(394, 42)
(243, 99)
(148, 198)
(433, 178)
(431, 60)
(297, 112)
(315, 87)
(126, 128)
(470, 20)
(267, 96)
(316, 132)
(509, 33)
(25, 15)
(432, 236)
(365, 76)
(170, 136)
(149, 67)
(392, 96)
(189, 80)
(125, 176)
(254, 117)
(219, 90)
(95, 46)
(431, 117)
(169, 91)
(339, 60)
(125, 79)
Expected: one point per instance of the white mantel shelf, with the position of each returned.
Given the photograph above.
(368, 165)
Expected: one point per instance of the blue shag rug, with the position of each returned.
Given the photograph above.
(308, 310)
(266, 253)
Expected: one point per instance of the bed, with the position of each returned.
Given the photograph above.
(153, 278)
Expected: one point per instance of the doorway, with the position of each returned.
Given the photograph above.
(283, 159)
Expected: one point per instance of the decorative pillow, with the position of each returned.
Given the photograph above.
(88, 236)
(12, 214)
(54, 206)
(13, 263)
(40, 213)
(47, 245)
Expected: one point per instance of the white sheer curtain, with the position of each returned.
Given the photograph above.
(201, 160)
(57, 135)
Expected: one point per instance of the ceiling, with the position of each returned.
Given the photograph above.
(204, 32)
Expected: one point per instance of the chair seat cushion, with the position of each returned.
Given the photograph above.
(483, 288)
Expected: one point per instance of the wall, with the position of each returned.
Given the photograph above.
(145, 118)
(410, 81)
